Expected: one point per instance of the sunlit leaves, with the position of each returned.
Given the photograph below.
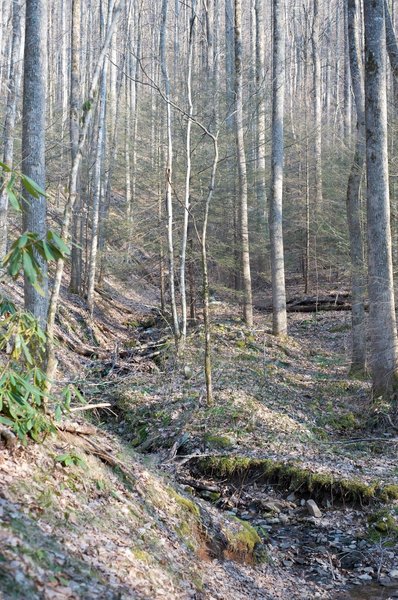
(24, 253)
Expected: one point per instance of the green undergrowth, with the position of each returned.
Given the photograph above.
(294, 477)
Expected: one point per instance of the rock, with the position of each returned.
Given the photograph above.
(291, 497)
(283, 519)
(350, 559)
(187, 372)
(393, 574)
(313, 509)
(365, 577)
(273, 521)
(271, 507)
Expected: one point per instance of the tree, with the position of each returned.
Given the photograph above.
(383, 349)
(33, 142)
(74, 127)
(275, 209)
(242, 170)
(358, 269)
(169, 169)
(11, 112)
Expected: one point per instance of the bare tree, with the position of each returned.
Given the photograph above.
(33, 142)
(383, 334)
(14, 80)
(358, 269)
(275, 210)
(242, 170)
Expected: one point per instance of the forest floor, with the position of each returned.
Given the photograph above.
(162, 496)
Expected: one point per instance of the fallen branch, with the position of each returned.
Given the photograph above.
(90, 406)
(77, 429)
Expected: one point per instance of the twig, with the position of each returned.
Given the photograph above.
(90, 406)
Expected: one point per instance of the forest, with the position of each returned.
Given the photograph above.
(198, 271)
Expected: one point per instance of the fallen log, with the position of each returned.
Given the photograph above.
(309, 304)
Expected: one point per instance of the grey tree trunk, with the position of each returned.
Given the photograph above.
(14, 81)
(33, 141)
(242, 170)
(383, 335)
(75, 103)
(317, 97)
(98, 172)
(169, 170)
(187, 176)
(261, 193)
(358, 269)
(275, 210)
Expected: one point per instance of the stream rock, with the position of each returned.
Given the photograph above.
(313, 509)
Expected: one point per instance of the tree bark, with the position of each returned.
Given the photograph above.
(383, 349)
(169, 171)
(33, 142)
(275, 215)
(75, 285)
(242, 170)
(358, 270)
(14, 81)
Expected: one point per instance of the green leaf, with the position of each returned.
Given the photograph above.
(58, 413)
(6, 421)
(48, 251)
(13, 200)
(32, 187)
(29, 268)
(5, 167)
(59, 242)
(22, 240)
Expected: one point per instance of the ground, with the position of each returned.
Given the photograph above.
(162, 496)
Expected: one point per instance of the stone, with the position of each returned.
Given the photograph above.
(187, 372)
(393, 574)
(313, 509)
(365, 577)
(271, 507)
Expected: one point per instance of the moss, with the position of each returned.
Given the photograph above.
(219, 441)
(242, 542)
(141, 555)
(389, 492)
(187, 533)
(294, 477)
(186, 503)
(345, 422)
(383, 526)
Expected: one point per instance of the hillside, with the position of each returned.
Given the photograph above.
(161, 496)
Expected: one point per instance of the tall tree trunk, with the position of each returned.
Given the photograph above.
(187, 176)
(242, 170)
(275, 215)
(98, 180)
(383, 335)
(317, 98)
(261, 193)
(33, 142)
(169, 170)
(14, 81)
(75, 103)
(358, 271)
